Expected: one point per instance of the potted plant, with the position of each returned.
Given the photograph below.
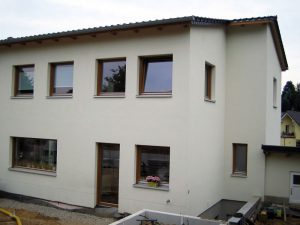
(153, 181)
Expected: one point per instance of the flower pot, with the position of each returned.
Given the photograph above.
(152, 184)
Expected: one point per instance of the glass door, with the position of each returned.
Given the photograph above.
(108, 174)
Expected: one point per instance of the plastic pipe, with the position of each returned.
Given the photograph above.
(16, 218)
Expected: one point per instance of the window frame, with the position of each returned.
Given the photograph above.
(52, 78)
(209, 82)
(100, 77)
(143, 60)
(234, 160)
(139, 149)
(14, 151)
(16, 80)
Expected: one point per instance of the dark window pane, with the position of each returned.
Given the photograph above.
(113, 76)
(240, 158)
(296, 179)
(63, 79)
(35, 153)
(155, 161)
(25, 80)
(110, 173)
(208, 81)
(158, 76)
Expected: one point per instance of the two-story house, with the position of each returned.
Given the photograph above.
(87, 115)
(290, 128)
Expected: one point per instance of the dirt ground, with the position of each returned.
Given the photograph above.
(34, 218)
(290, 221)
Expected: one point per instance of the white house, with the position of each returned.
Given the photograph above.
(87, 115)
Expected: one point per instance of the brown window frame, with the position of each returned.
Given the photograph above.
(52, 76)
(139, 149)
(14, 151)
(234, 160)
(142, 72)
(100, 76)
(16, 79)
(209, 73)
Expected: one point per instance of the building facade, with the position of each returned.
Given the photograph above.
(290, 129)
(88, 115)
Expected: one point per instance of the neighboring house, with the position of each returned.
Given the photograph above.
(86, 115)
(290, 128)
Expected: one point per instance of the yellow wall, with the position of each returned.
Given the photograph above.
(294, 127)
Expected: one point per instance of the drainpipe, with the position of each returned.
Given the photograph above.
(12, 216)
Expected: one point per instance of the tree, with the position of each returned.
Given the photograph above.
(288, 96)
(297, 99)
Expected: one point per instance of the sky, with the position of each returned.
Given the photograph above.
(30, 17)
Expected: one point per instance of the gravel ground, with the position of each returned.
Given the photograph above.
(50, 215)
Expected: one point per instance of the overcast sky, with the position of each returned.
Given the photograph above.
(28, 17)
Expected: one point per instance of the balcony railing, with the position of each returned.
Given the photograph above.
(287, 134)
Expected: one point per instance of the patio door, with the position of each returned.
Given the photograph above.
(108, 174)
(295, 187)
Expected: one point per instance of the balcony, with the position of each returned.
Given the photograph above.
(287, 134)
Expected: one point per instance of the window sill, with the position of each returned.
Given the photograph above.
(241, 175)
(21, 97)
(145, 186)
(154, 96)
(109, 96)
(59, 96)
(33, 171)
(209, 100)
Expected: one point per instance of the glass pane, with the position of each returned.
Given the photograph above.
(63, 79)
(26, 80)
(155, 161)
(240, 158)
(110, 173)
(113, 76)
(158, 77)
(35, 153)
(296, 179)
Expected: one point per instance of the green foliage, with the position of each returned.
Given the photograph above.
(116, 83)
(290, 97)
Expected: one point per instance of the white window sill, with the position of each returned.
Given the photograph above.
(59, 96)
(22, 97)
(33, 171)
(209, 100)
(145, 186)
(241, 175)
(154, 96)
(109, 96)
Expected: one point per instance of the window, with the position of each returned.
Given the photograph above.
(111, 77)
(24, 80)
(274, 92)
(33, 153)
(209, 82)
(239, 159)
(298, 143)
(153, 161)
(61, 78)
(156, 75)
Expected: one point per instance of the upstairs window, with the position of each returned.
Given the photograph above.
(239, 159)
(111, 77)
(33, 153)
(24, 80)
(156, 75)
(153, 161)
(209, 82)
(274, 92)
(61, 79)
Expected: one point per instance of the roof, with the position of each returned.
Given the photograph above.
(294, 115)
(189, 20)
(280, 149)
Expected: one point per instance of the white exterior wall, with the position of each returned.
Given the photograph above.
(278, 168)
(206, 119)
(245, 118)
(82, 121)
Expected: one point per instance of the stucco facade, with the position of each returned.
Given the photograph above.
(200, 133)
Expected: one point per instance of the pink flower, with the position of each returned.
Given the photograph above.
(155, 179)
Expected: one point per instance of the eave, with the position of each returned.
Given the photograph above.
(267, 149)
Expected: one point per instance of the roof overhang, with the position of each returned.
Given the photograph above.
(185, 21)
(280, 149)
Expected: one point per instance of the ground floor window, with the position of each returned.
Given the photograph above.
(239, 159)
(34, 153)
(153, 161)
